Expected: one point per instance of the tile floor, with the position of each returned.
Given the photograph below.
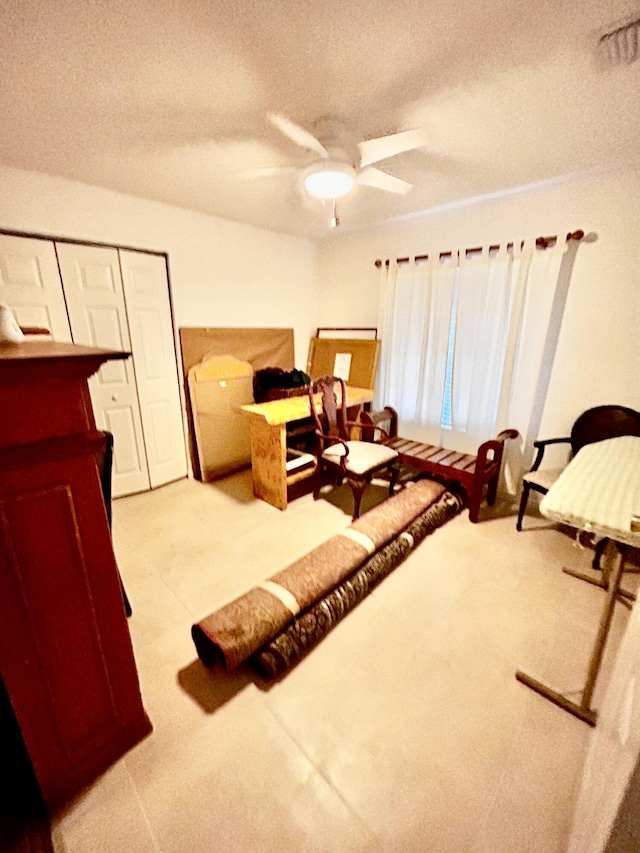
(404, 730)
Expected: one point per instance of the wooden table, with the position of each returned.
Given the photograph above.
(599, 492)
(269, 441)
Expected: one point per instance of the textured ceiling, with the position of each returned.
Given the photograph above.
(169, 100)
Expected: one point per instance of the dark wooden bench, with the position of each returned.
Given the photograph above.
(475, 474)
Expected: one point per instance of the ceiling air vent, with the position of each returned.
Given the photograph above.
(620, 46)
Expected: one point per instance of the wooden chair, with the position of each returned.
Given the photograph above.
(357, 461)
(104, 461)
(596, 424)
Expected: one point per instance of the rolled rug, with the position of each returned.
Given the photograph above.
(295, 641)
(230, 635)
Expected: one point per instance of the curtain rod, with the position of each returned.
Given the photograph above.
(541, 243)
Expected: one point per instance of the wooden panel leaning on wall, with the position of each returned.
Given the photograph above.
(259, 347)
(357, 358)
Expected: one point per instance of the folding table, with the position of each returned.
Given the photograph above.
(598, 492)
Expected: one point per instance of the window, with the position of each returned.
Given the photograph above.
(464, 340)
(446, 421)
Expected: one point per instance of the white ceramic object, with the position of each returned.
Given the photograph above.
(10, 331)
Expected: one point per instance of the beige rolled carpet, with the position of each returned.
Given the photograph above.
(232, 634)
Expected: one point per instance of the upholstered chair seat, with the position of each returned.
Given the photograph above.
(543, 479)
(362, 455)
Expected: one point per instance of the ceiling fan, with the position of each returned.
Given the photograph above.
(340, 163)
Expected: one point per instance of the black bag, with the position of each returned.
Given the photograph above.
(274, 383)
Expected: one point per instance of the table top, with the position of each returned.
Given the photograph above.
(290, 409)
(599, 490)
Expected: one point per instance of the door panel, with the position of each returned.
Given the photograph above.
(30, 284)
(158, 416)
(138, 400)
(126, 462)
(106, 326)
(152, 341)
(93, 289)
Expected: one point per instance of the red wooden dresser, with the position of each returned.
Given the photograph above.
(65, 650)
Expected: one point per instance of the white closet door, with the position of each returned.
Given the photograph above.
(93, 289)
(146, 290)
(30, 284)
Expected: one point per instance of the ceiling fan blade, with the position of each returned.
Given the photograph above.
(297, 134)
(373, 150)
(372, 177)
(266, 172)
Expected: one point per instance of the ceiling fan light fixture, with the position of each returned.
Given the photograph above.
(329, 179)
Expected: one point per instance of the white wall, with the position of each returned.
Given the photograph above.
(226, 274)
(599, 348)
(222, 273)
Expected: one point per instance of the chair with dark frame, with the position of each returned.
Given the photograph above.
(595, 424)
(104, 461)
(356, 461)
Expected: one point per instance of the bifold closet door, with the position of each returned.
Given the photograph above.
(30, 284)
(95, 301)
(146, 290)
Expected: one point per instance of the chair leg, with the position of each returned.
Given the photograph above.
(475, 499)
(492, 490)
(600, 547)
(318, 480)
(394, 471)
(125, 598)
(357, 487)
(523, 505)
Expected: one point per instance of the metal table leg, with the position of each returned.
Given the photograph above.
(583, 709)
(603, 582)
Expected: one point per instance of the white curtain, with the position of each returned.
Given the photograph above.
(485, 313)
(486, 287)
(415, 310)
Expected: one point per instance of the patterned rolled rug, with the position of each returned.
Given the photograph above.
(231, 635)
(292, 644)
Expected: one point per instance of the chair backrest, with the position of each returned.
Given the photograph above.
(104, 461)
(330, 415)
(603, 422)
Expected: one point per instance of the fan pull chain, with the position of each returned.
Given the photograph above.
(334, 221)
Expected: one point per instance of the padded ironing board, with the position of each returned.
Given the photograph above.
(599, 492)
